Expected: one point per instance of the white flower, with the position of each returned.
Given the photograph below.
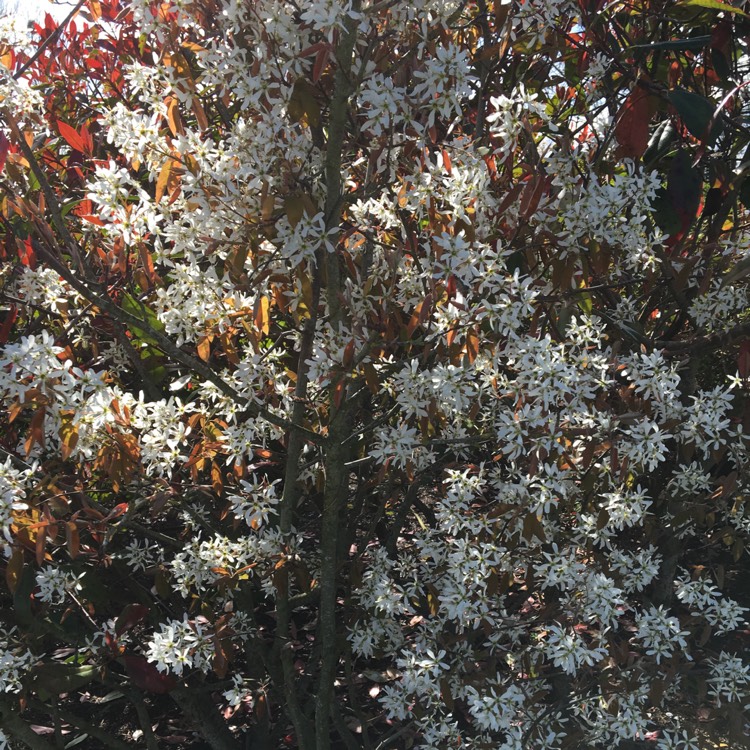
(54, 584)
(182, 644)
(327, 15)
(561, 569)
(647, 444)
(395, 445)
(637, 569)
(239, 693)
(626, 507)
(140, 554)
(654, 379)
(677, 740)
(730, 679)
(256, 502)
(15, 661)
(719, 304)
(12, 496)
(661, 633)
(495, 709)
(568, 650)
(727, 614)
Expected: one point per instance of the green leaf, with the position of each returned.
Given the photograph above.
(721, 64)
(68, 207)
(22, 596)
(684, 188)
(664, 213)
(714, 5)
(696, 112)
(694, 44)
(745, 193)
(133, 306)
(660, 142)
(585, 303)
(77, 741)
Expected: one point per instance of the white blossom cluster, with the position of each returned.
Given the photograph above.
(538, 18)
(730, 679)
(256, 502)
(722, 613)
(55, 584)
(140, 554)
(44, 288)
(12, 495)
(203, 563)
(182, 645)
(721, 303)
(15, 661)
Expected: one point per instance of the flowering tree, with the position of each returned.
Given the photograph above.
(373, 373)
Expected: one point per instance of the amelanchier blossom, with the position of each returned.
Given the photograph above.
(386, 362)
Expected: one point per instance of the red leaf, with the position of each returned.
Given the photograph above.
(87, 140)
(146, 676)
(130, 616)
(632, 126)
(321, 61)
(10, 319)
(26, 254)
(71, 136)
(4, 147)
(743, 359)
(119, 510)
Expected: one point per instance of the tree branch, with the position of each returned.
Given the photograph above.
(705, 343)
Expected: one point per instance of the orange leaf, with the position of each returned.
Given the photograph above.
(147, 262)
(472, 345)
(4, 148)
(447, 162)
(349, 354)
(73, 539)
(204, 348)
(163, 179)
(68, 435)
(416, 318)
(173, 116)
(217, 480)
(339, 392)
(87, 140)
(200, 114)
(261, 318)
(41, 541)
